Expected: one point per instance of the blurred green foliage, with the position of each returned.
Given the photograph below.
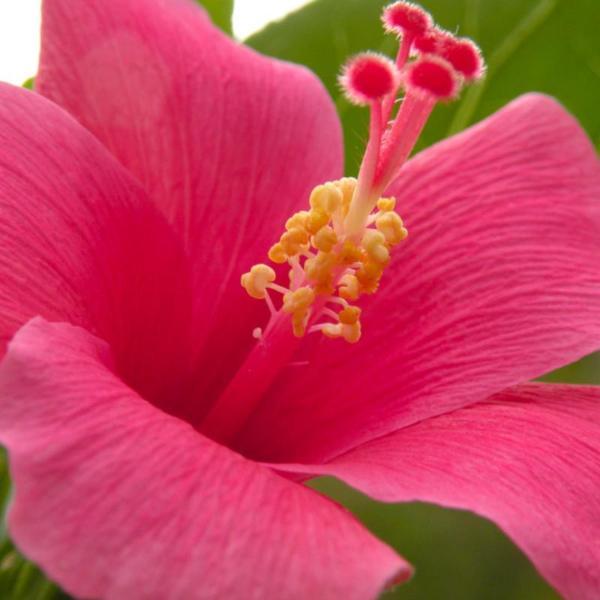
(542, 45)
(456, 555)
(220, 12)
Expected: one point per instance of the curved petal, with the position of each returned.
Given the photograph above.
(226, 142)
(80, 242)
(529, 459)
(116, 499)
(499, 283)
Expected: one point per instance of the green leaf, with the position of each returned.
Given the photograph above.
(220, 12)
(530, 45)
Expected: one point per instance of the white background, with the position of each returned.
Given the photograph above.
(20, 24)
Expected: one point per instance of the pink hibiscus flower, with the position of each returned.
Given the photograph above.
(157, 448)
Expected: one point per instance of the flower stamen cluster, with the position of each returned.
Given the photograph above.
(328, 269)
(338, 249)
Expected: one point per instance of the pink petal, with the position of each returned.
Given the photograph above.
(80, 242)
(529, 459)
(498, 283)
(115, 499)
(228, 143)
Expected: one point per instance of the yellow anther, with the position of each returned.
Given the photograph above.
(325, 239)
(346, 185)
(369, 271)
(293, 241)
(372, 238)
(299, 320)
(327, 198)
(277, 254)
(319, 268)
(316, 219)
(368, 276)
(316, 195)
(349, 253)
(372, 270)
(349, 315)
(332, 330)
(349, 287)
(325, 287)
(386, 204)
(374, 243)
(298, 300)
(319, 271)
(392, 227)
(351, 333)
(369, 286)
(257, 280)
(297, 220)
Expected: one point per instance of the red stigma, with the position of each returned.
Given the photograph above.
(434, 77)
(406, 17)
(369, 77)
(464, 56)
(432, 41)
(426, 43)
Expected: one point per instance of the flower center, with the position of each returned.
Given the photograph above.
(331, 262)
(337, 250)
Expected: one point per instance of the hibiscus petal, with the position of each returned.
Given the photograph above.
(116, 499)
(80, 242)
(529, 459)
(227, 142)
(498, 283)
